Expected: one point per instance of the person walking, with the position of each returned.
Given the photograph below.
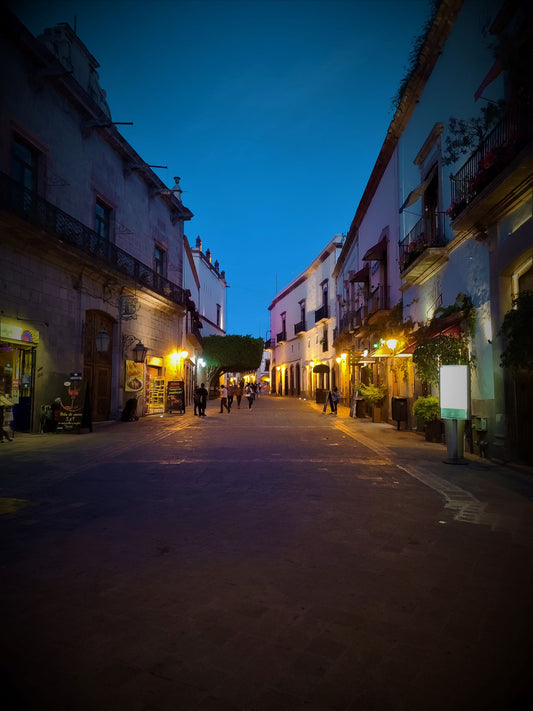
(238, 395)
(196, 398)
(249, 395)
(223, 398)
(335, 397)
(202, 400)
(231, 392)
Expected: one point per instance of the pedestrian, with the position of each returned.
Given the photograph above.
(202, 400)
(335, 397)
(238, 395)
(328, 401)
(231, 392)
(249, 395)
(196, 398)
(223, 398)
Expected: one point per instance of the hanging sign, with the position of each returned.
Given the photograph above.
(134, 381)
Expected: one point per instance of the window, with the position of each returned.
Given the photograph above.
(219, 313)
(25, 164)
(324, 286)
(160, 258)
(24, 171)
(102, 220)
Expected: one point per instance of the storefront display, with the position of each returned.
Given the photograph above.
(17, 370)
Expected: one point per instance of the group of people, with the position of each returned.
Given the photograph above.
(332, 400)
(228, 394)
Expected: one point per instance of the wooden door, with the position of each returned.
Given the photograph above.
(97, 367)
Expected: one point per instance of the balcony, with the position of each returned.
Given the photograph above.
(299, 327)
(282, 336)
(321, 314)
(42, 215)
(269, 343)
(351, 321)
(421, 252)
(194, 334)
(490, 161)
(378, 302)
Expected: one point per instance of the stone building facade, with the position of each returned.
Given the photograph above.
(91, 244)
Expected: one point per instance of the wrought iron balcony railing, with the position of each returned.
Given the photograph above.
(282, 336)
(43, 215)
(321, 313)
(492, 156)
(423, 235)
(379, 300)
(299, 327)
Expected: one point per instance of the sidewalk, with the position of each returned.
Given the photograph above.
(480, 491)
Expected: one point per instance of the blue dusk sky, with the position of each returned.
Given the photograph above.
(272, 112)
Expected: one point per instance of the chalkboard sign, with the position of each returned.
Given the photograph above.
(176, 396)
(72, 406)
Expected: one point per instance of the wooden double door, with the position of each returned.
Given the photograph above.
(97, 366)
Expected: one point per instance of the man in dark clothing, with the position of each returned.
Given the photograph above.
(202, 400)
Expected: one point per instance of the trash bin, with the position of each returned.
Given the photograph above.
(321, 395)
(399, 409)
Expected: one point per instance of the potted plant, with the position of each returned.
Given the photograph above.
(427, 413)
(373, 395)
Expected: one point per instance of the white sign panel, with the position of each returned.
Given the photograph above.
(454, 392)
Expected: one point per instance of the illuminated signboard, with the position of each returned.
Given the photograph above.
(454, 392)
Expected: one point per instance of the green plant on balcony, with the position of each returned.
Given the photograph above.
(464, 136)
(413, 250)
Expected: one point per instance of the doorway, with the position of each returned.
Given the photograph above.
(97, 366)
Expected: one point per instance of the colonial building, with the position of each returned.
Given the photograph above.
(91, 243)
(444, 234)
(302, 322)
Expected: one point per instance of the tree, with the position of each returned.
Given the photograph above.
(231, 354)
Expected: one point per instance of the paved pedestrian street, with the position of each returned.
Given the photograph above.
(271, 559)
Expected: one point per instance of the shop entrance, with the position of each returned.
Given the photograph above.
(97, 365)
(17, 377)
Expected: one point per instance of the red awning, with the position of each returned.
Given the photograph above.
(378, 252)
(492, 74)
(362, 275)
(418, 192)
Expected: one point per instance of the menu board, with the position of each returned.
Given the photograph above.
(176, 396)
(134, 381)
(72, 404)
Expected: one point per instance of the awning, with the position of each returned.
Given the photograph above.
(362, 275)
(417, 193)
(321, 368)
(378, 252)
(492, 74)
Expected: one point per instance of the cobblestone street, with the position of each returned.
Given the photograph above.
(263, 560)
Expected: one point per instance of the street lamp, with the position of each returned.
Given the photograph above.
(139, 353)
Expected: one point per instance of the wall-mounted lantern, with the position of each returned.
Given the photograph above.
(102, 340)
(139, 353)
